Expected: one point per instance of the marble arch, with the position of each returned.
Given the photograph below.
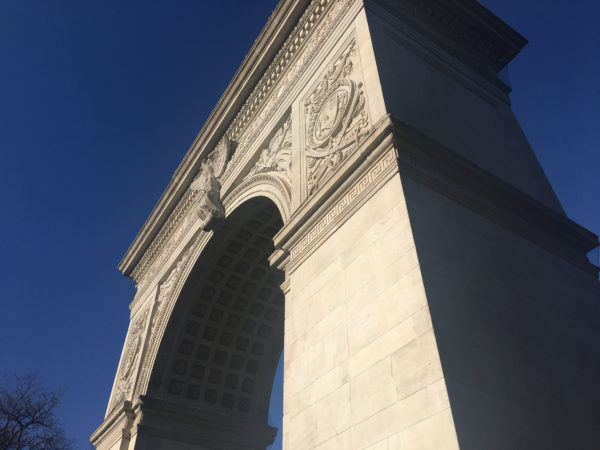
(224, 337)
(409, 253)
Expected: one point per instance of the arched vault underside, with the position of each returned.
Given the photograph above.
(212, 376)
(225, 335)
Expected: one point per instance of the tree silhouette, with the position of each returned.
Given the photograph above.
(27, 419)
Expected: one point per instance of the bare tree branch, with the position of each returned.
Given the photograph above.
(27, 419)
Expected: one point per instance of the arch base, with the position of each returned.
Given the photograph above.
(157, 424)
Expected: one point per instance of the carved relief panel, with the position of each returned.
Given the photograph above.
(132, 354)
(276, 157)
(336, 120)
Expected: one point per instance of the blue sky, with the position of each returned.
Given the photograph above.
(99, 102)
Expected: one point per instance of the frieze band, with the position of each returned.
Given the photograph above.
(321, 227)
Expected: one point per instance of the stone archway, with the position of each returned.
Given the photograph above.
(369, 150)
(225, 335)
(203, 348)
(220, 349)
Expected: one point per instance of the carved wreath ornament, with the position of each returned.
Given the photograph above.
(336, 119)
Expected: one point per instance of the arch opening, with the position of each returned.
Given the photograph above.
(224, 339)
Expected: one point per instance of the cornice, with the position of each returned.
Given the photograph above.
(465, 29)
(448, 173)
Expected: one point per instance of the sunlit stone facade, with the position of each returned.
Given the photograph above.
(362, 197)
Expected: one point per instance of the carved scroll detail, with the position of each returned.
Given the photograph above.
(336, 119)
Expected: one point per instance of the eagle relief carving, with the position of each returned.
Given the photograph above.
(277, 156)
(336, 119)
(208, 187)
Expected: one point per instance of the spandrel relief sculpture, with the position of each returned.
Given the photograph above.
(336, 119)
(133, 345)
(276, 157)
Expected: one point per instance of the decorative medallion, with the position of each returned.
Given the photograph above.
(336, 119)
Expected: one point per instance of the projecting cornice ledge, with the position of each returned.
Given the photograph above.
(464, 28)
(448, 173)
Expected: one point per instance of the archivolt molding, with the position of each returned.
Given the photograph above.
(273, 185)
(202, 204)
(139, 358)
(168, 292)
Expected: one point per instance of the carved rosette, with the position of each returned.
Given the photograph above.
(276, 158)
(336, 119)
(207, 186)
(131, 355)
